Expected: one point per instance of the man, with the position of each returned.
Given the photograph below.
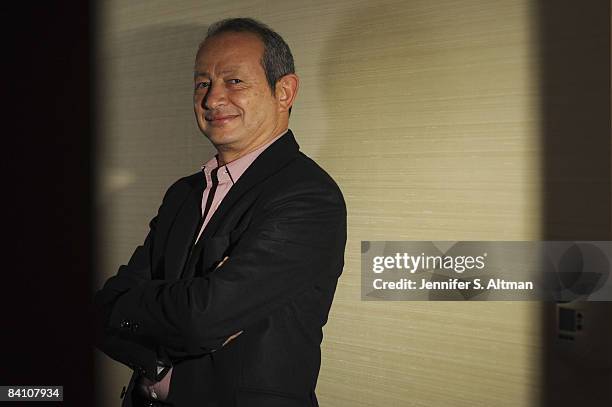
(224, 303)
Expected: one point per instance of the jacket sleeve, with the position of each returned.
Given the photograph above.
(142, 357)
(296, 238)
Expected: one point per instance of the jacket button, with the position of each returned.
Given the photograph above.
(124, 324)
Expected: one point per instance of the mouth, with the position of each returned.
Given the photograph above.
(219, 120)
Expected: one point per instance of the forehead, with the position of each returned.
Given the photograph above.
(229, 49)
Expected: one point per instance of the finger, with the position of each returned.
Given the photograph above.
(231, 338)
(221, 262)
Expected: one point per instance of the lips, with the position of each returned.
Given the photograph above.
(217, 120)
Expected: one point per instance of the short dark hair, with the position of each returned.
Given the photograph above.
(277, 60)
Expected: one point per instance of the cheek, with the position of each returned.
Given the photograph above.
(253, 105)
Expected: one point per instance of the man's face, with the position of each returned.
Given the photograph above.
(233, 103)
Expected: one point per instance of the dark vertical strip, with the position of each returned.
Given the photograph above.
(46, 262)
(576, 205)
(96, 377)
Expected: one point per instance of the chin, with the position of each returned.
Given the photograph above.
(218, 137)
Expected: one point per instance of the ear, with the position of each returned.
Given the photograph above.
(286, 90)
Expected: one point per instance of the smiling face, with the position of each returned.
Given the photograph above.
(233, 103)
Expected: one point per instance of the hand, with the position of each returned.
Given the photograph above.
(155, 390)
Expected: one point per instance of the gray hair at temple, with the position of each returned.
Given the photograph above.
(277, 60)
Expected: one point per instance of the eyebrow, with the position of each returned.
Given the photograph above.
(229, 69)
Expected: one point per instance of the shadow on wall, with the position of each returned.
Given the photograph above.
(576, 140)
(411, 97)
(371, 123)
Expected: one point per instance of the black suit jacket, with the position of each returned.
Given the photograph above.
(283, 226)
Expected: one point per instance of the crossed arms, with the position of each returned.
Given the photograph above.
(294, 239)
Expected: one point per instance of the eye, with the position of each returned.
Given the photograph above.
(202, 85)
(234, 81)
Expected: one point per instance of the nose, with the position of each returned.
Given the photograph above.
(215, 97)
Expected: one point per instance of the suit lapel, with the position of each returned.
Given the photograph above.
(270, 161)
(183, 231)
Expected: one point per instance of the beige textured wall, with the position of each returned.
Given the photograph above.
(425, 113)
